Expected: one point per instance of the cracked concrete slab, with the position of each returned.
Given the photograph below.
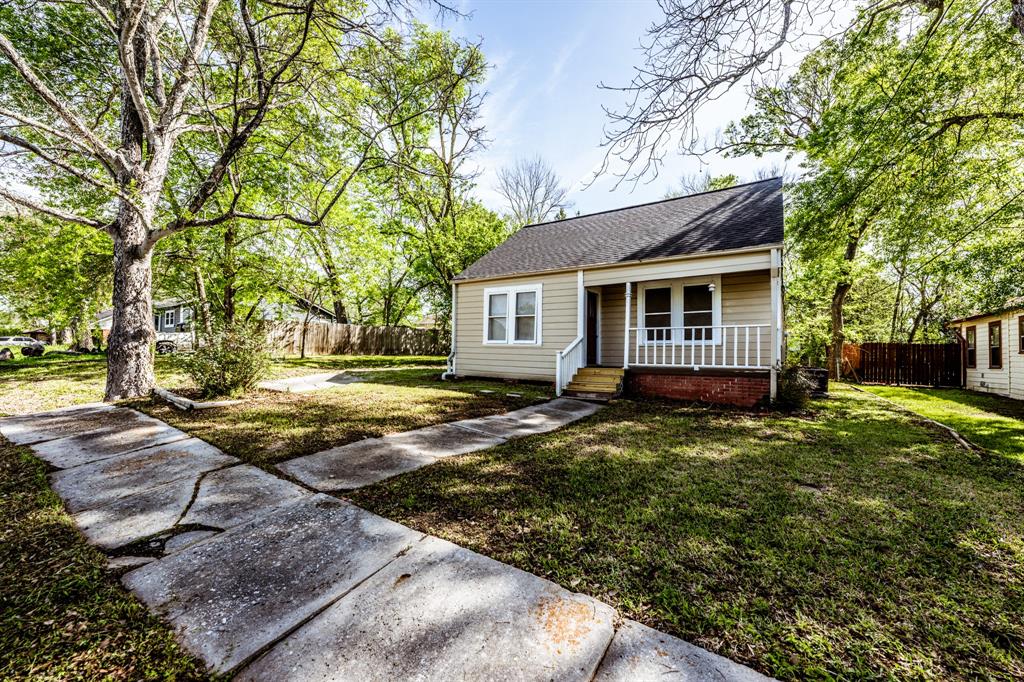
(442, 612)
(310, 382)
(224, 498)
(187, 539)
(355, 465)
(99, 483)
(230, 597)
(122, 432)
(641, 654)
(42, 426)
(232, 496)
(135, 517)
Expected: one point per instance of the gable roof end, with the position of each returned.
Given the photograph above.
(740, 217)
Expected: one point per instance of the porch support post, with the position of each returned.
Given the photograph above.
(776, 325)
(581, 302)
(625, 343)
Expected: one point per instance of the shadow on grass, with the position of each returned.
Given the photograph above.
(990, 421)
(855, 544)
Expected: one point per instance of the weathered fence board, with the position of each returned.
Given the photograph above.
(905, 364)
(326, 338)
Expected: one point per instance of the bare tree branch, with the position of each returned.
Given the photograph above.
(532, 189)
(51, 211)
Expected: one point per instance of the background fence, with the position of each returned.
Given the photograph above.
(327, 338)
(911, 364)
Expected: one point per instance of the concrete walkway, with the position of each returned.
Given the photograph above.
(267, 580)
(309, 382)
(375, 459)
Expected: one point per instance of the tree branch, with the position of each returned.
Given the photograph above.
(51, 211)
(104, 152)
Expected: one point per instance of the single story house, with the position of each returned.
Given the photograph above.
(169, 315)
(994, 350)
(680, 298)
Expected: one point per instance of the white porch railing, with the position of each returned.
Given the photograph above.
(730, 346)
(568, 362)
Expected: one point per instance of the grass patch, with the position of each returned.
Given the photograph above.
(55, 380)
(63, 616)
(855, 543)
(271, 427)
(993, 422)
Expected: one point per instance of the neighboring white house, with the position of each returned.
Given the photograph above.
(995, 350)
(680, 298)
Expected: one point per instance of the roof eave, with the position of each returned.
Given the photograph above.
(599, 266)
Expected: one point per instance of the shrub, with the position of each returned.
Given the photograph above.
(794, 389)
(231, 361)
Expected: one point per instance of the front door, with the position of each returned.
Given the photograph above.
(593, 302)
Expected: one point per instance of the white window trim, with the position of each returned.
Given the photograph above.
(168, 318)
(676, 308)
(510, 315)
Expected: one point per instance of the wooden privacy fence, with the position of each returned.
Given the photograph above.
(328, 338)
(906, 364)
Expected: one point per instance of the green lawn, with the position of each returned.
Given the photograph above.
(54, 380)
(850, 543)
(990, 421)
(271, 427)
(63, 616)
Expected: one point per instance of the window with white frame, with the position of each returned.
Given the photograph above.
(168, 319)
(657, 302)
(512, 315)
(698, 312)
(681, 311)
(186, 314)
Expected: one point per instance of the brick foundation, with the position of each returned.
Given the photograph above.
(739, 390)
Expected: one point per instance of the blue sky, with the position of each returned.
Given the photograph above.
(547, 59)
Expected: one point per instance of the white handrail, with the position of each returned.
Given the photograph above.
(567, 362)
(727, 346)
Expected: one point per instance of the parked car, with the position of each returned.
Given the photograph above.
(29, 347)
(172, 342)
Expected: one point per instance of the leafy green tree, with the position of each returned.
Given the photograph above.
(111, 99)
(55, 272)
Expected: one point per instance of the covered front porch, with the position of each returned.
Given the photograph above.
(722, 326)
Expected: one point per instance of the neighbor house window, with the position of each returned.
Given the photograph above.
(995, 344)
(512, 315)
(972, 346)
(168, 319)
(186, 314)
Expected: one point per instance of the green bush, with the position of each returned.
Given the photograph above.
(794, 389)
(231, 361)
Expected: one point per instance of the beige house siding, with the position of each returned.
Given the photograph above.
(558, 327)
(1009, 379)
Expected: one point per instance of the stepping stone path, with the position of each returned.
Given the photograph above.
(265, 580)
(310, 382)
(375, 459)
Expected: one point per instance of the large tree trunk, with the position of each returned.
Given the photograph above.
(130, 347)
(843, 286)
(835, 361)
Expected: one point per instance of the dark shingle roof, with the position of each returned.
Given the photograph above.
(739, 217)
